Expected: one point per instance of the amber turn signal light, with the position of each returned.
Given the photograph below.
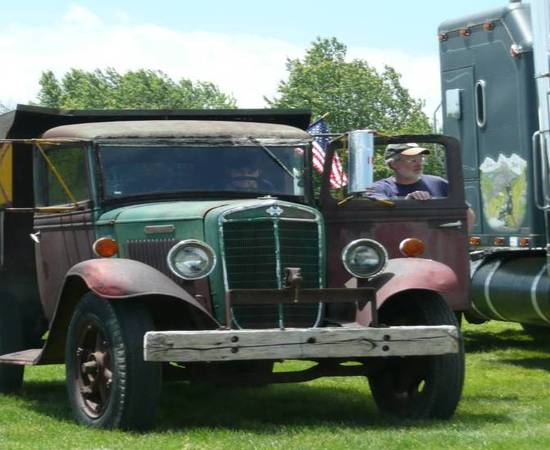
(524, 242)
(499, 241)
(411, 247)
(475, 241)
(105, 247)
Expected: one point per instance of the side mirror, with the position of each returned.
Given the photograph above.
(360, 163)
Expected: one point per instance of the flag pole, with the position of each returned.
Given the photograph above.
(324, 116)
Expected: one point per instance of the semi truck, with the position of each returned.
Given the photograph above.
(495, 71)
(142, 246)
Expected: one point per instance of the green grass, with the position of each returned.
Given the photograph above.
(505, 406)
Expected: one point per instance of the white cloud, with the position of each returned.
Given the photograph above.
(247, 66)
(81, 16)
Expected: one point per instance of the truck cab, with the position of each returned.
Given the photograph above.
(494, 73)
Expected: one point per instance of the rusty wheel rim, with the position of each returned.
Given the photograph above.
(93, 370)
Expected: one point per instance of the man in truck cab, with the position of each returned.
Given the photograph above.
(248, 171)
(408, 181)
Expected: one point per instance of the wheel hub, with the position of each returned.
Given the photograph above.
(94, 375)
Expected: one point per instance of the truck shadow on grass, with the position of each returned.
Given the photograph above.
(268, 408)
(184, 406)
(530, 363)
(508, 339)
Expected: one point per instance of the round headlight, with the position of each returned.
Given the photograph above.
(364, 258)
(191, 259)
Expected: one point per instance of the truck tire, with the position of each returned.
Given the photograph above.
(419, 387)
(11, 340)
(108, 382)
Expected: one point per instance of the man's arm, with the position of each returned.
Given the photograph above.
(380, 190)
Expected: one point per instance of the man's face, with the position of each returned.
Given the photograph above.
(244, 178)
(408, 167)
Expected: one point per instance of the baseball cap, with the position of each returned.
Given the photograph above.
(408, 149)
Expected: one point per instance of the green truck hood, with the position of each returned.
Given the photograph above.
(181, 219)
(161, 211)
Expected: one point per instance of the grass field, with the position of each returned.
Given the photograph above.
(506, 405)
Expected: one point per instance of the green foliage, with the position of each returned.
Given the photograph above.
(147, 89)
(355, 95)
(69, 162)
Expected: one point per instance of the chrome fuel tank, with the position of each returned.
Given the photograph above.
(512, 286)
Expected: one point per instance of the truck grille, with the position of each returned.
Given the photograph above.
(153, 252)
(256, 253)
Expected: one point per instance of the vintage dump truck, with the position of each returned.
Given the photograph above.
(138, 246)
(495, 82)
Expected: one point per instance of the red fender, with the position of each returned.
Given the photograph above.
(113, 279)
(405, 274)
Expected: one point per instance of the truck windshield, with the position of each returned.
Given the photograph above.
(140, 170)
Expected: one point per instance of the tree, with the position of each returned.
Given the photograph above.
(3, 108)
(142, 88)
(355, 94)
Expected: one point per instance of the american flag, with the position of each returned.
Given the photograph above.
(338, 178)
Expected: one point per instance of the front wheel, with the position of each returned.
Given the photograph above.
(419, 387)
(108, 382)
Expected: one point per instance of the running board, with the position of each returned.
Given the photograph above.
(22, 358)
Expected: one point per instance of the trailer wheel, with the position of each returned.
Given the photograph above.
(11, 340)
(108, 382)
(419, 387)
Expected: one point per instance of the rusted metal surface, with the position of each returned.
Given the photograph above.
(125, 278)
(359, 218)
(406, 274)
(64, 240)
(114, 279)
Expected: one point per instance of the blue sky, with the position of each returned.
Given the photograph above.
(240, 45)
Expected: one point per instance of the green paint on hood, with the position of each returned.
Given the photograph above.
(169, 211)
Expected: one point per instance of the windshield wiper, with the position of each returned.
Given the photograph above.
(273, 157)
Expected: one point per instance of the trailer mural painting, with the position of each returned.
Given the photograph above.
(503, 186)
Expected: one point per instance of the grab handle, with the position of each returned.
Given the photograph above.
(540, 171)
(481, 103)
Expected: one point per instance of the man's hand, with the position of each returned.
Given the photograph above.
(418, 195)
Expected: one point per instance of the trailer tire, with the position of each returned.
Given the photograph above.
(108, 383)
(419, 387)
(11, 340)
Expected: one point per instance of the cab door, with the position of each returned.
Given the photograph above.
(64, 237)
(440, 222)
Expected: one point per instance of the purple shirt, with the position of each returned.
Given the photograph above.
(389, 188)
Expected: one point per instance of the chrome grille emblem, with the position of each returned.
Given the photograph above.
(274, 211)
